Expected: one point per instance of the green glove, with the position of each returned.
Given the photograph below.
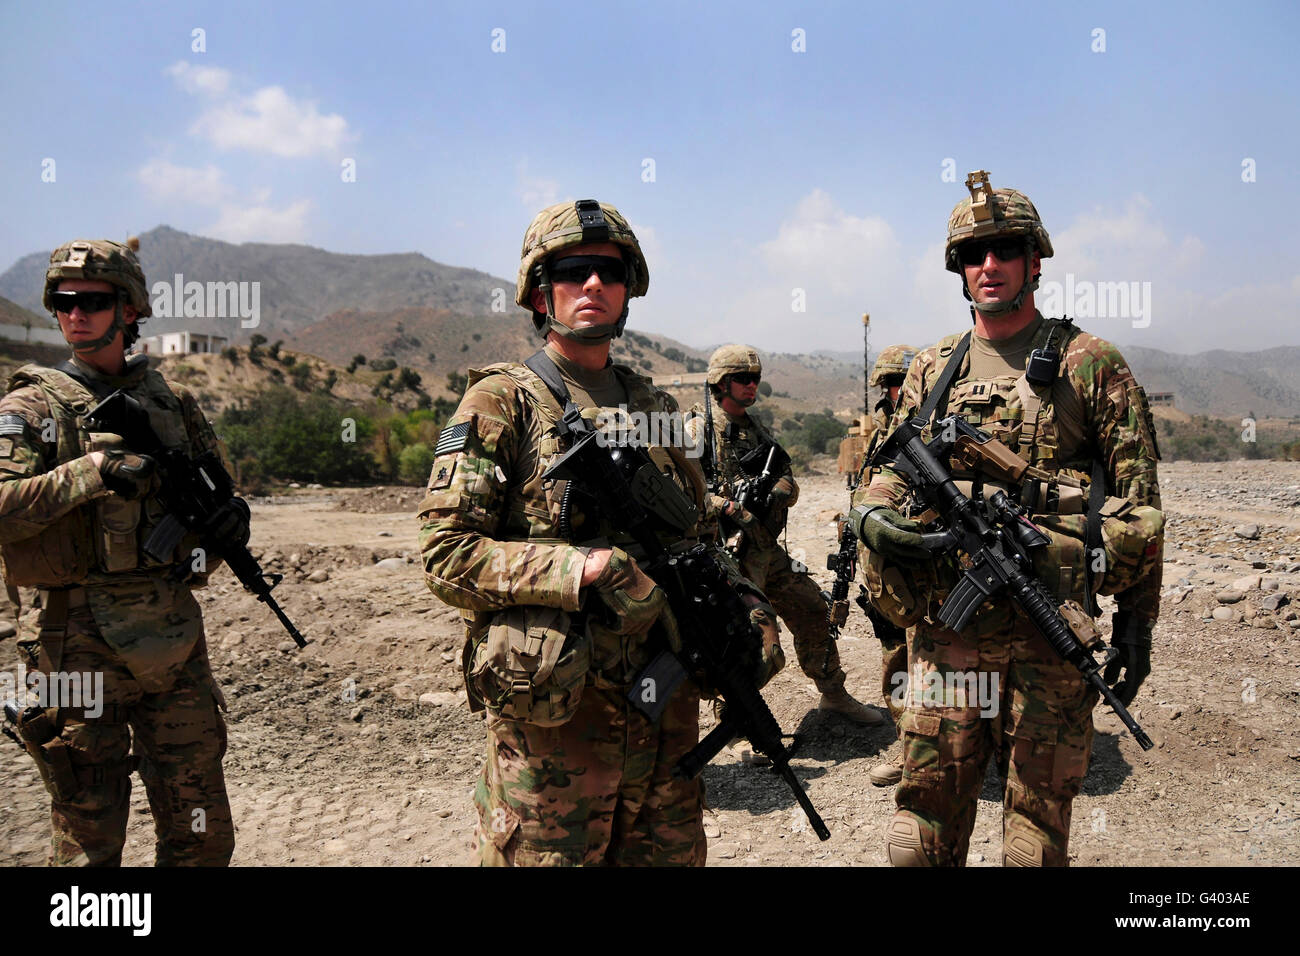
(1132, 638)
(635, 601)
(889, 534)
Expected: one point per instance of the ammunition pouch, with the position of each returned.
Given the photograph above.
(1132, 539)
(530, 665)
(901, 594)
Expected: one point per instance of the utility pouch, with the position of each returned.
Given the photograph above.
(117, 519)
(50, 752)
(531, 665)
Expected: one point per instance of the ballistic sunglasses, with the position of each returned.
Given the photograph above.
(746, 378)
(89, 302)
(973, 253)
(611, 270)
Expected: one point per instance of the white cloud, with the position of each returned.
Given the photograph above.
(535, 192)
(262, 222)
(211, 80)
(166, 180)
(268, 120)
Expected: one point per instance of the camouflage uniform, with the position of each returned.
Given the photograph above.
(892, 361)
(1042, 729)
(574, 774)
(106, 608)
(793, 594)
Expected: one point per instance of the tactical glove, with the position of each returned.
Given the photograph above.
(739, 515)
(636, 602)
(889, 534)
(127, 474)
(229, 524)
(1132, 638)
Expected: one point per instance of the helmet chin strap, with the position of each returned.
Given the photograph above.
(1002, 308)
(117, 325)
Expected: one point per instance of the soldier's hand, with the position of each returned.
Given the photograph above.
(1132, 638)
(127, 474)
(781, 492)
(889, 534)
(736, 513)
(229, 523)
(635, 600)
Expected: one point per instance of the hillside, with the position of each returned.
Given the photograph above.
(298, 284)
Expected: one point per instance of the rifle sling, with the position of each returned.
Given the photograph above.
(98, 389)
(937, 401)
(1092, 532)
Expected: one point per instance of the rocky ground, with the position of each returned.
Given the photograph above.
(360, 749)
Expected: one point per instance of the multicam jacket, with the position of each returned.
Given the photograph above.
(1107, 419)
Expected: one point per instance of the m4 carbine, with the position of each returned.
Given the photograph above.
(721, 647)
(193, 491)
(996, 537)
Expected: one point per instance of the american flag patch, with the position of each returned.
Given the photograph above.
(12, 424)
(451, 439)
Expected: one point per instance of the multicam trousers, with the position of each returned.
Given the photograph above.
(596, 790)
(180, 738)
(798, 601)
(1041, 731)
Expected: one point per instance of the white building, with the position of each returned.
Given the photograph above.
(181, 343)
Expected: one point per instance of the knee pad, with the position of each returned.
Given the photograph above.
(1021, 849)
(903, 842)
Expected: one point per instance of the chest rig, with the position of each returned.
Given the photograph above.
(1020, 412)
(546, 510)
(92, 543)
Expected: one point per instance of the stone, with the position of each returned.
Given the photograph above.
(1248, 531)
(1229, 596)
(1274, 601)
(391, 564)
(319, 576)
(440, 699)
(1249, 583)
(285, 647)
(7, 630)
(1225, 614)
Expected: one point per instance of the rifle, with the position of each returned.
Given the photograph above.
(192, 492)
(997, 538)
(720, 645)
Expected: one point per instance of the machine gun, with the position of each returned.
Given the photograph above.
(193, 492)
(996, 538)
(720, 645)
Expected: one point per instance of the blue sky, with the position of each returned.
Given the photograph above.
(775, 170)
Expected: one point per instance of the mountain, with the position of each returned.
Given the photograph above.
(439, 319)
(297, 285)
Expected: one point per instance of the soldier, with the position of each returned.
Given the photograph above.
(75, 508)
(887, 376)
(733, 378)
(1079, 417)
(555, 633)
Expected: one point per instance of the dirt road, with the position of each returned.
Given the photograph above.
(360, 749)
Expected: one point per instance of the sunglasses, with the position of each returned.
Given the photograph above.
(746, 378)
(609, 269)
(89, 302)
(973, 253)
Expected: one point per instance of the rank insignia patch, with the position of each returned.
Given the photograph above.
(442, 472)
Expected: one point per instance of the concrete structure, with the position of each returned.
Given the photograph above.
(679, 379)
(181, 343)
(39, 333)
(1161, 398)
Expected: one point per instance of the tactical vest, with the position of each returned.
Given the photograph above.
(526, 516)
(96, 541)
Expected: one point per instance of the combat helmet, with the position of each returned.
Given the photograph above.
(108, 261)
(995, 212)
(733, 360)
(573, 224)
(893, 360)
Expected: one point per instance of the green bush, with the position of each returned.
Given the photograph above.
(295, 440)
(414, 462)
(301, 375)
(383, 364)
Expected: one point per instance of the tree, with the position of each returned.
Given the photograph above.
(356, 360)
